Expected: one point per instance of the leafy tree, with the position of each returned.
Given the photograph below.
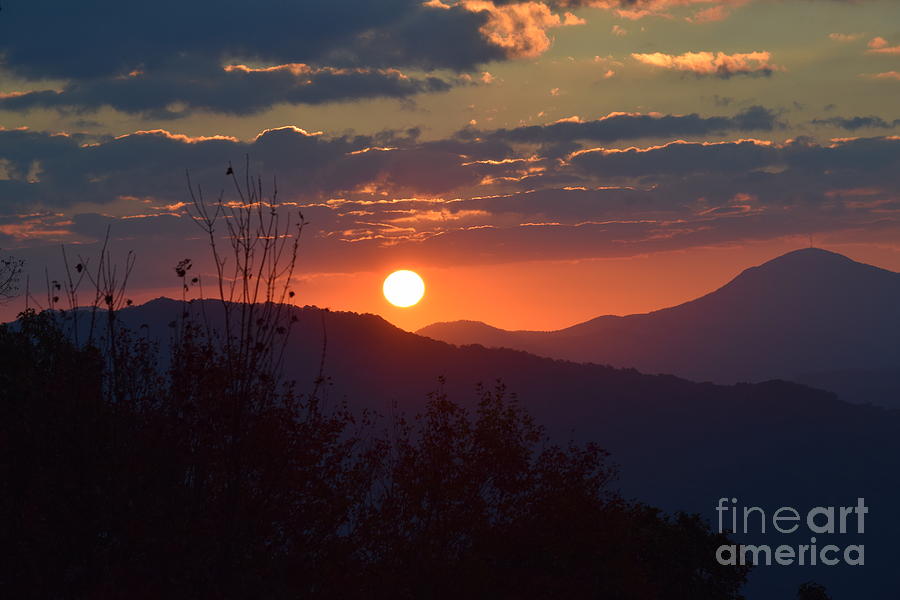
(203, 472)
(56, 456)
(158, 496)
(484, 506)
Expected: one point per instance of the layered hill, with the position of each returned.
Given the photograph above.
(679, 444)
(810, 315)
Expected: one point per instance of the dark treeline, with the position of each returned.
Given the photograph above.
(200, 471)
(206, 482)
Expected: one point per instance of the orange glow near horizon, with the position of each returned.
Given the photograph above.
(550, 295)
(546, 295)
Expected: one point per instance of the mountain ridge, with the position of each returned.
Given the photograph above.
(800, 316)
(669, 435)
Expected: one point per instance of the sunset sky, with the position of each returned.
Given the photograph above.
(538, 163)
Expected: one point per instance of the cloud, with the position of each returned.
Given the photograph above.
(719, 12)
(629, 126)
(59, 171)
(698, 11)
(844, 37)
(173, 57)
(879, 45)
(410, 34)
(520, 29)
(76, 169)
(716, 64)
(886, 75)
(852, 158)
(676, 157)
(459, 200)
(233, 89)
(854, 123)
(695, 11)
(75, 41)
(169, 56)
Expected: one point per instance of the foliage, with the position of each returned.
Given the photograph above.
(812, 591)
(174, 495)
(10, 272)
(208, 475)
(483, 506)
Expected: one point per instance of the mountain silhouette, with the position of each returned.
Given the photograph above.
(680, 444)
(811, 316)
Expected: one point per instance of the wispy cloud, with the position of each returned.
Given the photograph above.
(699, 11)
(844, 37)
(854, 123)
(884, 75)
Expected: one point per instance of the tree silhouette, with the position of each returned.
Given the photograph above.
(812, 591)
(482, 505)
(106, 496)
(10, 272)
(204, 472)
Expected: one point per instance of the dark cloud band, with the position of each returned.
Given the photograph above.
(235, 89)
(625, 126)
(457, 200)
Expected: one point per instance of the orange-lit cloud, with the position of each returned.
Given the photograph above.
(42, 226)
(520, 29)
(716, 64)
(412, 216)
(720, 12)
(879, 45)
(179, 137)
(454, 201)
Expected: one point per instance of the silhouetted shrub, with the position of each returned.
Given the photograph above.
(208, 475)
(203, 491)
(812, 591)
(483, 506)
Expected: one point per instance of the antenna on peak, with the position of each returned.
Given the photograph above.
(810, 241)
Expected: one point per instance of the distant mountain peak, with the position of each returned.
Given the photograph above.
(805, 312)
(808, 255)
(809, 264)
(812, 250)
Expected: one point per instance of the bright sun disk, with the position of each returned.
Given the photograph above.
(403, 288)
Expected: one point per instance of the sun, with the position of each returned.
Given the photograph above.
(403, 288)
